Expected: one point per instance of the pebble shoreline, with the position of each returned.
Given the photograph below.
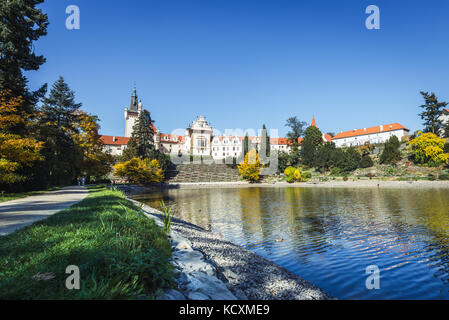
(214, 269)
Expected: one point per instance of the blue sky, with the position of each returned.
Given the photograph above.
(245, 63)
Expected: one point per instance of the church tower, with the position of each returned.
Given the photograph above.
(132, 113)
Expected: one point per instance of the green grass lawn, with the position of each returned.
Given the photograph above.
(121, 253)
(11, 196)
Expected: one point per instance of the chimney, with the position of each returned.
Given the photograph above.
(381, 128)
(114, 139)
(364, 129)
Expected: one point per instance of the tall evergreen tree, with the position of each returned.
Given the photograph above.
(57, 127)
(267, 140)
(141, 144)
(323, 156)
(313, 139)
(352, 159)
(391, 153)
(246, 145)
(432, 112)
(21, 24)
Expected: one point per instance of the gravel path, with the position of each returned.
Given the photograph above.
(247, 272)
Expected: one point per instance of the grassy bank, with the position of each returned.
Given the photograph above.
(121, 254)
(12, 196)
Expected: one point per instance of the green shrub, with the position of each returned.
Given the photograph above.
(335, 171)
(366, 162)
(444, 176)
(306, 175)
(391, 153)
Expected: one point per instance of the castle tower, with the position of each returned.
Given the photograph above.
(200, 136)
(132, 113)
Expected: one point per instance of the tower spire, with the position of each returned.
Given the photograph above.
(314, 122)
(133, 105)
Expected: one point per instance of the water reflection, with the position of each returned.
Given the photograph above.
(329, 236)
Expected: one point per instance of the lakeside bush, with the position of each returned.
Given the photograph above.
(444, 176)
(428, 148)
(250, 168)
(391, 153)
(140, 171)
(293, 174)
(366, 162)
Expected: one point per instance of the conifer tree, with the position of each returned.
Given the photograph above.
(57, 128)
(313, 139)
(267, 140)
(246, 145)
(141, 143)
(432, 112)
(391, 153)
(21, 24)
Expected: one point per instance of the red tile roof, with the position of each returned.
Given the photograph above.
(283, 141)
(114, 140)
(377, 129)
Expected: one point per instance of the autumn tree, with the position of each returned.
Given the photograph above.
(95, 161)
(16, 151)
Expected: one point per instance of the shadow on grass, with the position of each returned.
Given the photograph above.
(120, 253)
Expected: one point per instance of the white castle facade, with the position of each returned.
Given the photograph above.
(199, 138)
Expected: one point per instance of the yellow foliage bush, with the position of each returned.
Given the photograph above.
(249, 169)
(292, 174)
(140, 171)
(297, 174)
(428, 148)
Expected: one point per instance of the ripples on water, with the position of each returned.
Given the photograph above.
(329, 236)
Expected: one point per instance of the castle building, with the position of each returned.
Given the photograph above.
(132, 113)
(199, 139)
(373, 135)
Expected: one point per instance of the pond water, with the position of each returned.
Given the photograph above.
(330, 236)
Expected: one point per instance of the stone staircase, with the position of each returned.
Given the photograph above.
(202, 173)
